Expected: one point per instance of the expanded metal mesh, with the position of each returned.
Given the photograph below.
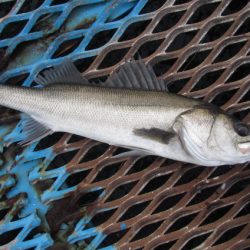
(65, 191)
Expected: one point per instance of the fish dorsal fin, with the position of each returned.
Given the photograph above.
(135, 75)
(65, 73)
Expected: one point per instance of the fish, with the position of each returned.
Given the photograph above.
(131, 109)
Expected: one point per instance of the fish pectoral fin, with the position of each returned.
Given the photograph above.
(32, 130)
(65, 73)
(131, 153)
(135, 75)
(134, 151)
(155, 134)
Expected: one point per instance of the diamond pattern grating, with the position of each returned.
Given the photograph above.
(65, 191)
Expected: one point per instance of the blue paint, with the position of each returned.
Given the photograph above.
(81, 233)
(96, 241)
(26, 225)
(7, 183)
(123, 226)
(41, 241)
(24, 186)
(108, 248)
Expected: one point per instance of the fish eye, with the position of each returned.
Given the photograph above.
(242, 129)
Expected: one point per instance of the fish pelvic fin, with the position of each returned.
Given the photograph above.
(133, 152)
(65, 73)
(135, 75)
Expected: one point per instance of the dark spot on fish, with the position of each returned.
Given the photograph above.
(155, 134)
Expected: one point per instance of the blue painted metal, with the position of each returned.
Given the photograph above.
(25, 225)
(73, 19)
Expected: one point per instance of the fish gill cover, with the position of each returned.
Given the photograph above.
(65, 192)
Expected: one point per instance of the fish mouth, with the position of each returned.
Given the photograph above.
(244, 147)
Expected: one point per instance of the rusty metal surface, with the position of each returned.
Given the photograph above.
(201, 49)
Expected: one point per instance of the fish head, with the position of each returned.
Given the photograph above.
(232, 137)
(212, 137)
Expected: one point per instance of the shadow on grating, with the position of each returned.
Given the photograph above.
(175, 86)
(61, 160)
(44, 22)
(95, 152)
(5, 8)
(67, 47)
(134, 210)
(203, 12)
(241, 114)
(48, 141)
(196, 241)
(229, 234)
(244, 28)
(113, 57)
(168, 21)
(217, 214)
(152, 5)
(100, 39)
(223, 97)
(134, 30)
(229, 51)
(108, 171)
(17, 80)
(240, 73)
(181, 222)
(234, 6)
(163, 66)
(12, 29)
(147, 230)
(149, 48)
(165, 246)
(141, 164)
(113, 238)
(9, 236)
(216, 32)
(30, 6)
(195, 60)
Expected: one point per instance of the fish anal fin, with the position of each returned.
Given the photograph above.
(64, 73)
(155, 134)
(32, 130)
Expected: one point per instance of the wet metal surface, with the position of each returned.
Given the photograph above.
(65, 191)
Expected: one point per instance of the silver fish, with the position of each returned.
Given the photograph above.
(132, 109)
